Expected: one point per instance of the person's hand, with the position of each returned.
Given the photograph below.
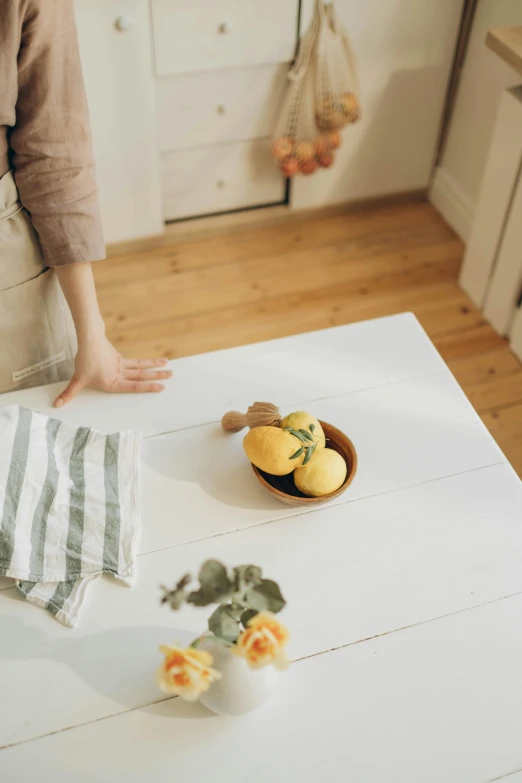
(98, 365)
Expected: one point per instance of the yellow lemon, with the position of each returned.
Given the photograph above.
(300, 420)
(325, 473)
(270, 449)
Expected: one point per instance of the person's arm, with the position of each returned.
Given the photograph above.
(54, 171)
(52, 157)
(98, 364)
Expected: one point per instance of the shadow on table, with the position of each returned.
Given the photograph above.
(213, 459)
(119, 664)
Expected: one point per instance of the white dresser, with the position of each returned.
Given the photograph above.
(184, 98)
(220, 70)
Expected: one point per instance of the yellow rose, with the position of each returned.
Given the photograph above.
(186, 673)
(263, 642)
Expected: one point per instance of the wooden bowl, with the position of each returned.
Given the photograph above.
(284, 488)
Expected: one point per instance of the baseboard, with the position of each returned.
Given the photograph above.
(235, 222)
(454, 205)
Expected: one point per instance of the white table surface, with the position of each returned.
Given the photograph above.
(408, 656)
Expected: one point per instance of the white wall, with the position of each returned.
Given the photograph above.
(404, 50)
(485, 76)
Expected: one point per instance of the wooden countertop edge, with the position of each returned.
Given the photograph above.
(507, 43)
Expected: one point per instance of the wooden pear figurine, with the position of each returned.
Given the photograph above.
(260, 414)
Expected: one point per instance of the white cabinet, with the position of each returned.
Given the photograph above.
(185, 93)
(201, 109)
(221, 74)
(204, 35)
(219, 178)
(503, 163)
(492, 270)
(115, 47)
(505, 286)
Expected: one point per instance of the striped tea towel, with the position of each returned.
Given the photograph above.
(68, 506)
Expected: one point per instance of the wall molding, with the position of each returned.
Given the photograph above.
(454, 205)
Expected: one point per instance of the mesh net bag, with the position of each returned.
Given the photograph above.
(298, 146)
(336, 88)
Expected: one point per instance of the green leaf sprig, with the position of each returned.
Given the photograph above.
(309, 441)
(240, 593)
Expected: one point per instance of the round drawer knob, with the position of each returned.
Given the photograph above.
(224, 27)
(124, 23)
(221, 183)
(221, 109)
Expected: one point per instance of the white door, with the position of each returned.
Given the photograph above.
(506, 281)
(487, 244)
(117, 64)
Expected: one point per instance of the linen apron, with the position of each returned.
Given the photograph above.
(37, 336)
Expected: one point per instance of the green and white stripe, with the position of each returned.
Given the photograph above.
(68, 505)
(21, 420)
(111, 542)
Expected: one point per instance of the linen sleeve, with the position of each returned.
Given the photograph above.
(51, 140)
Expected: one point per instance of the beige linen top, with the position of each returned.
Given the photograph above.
(44, 128)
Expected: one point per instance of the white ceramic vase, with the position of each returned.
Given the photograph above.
(240, 689)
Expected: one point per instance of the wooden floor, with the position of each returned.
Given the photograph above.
(268, 282)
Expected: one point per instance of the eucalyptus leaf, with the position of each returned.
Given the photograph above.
(224, 623)
(265, 597)
(215, 584)
(213, 572)
(246, 575)
(235, 610)
(297, 453)
(247, 615)
(184, 582)
(176, 598)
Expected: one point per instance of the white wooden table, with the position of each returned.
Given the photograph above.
(408, 657)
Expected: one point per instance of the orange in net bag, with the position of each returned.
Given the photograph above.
(336, 86)
(299, 147)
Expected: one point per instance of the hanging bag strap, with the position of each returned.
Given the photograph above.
(306, 47)
(338, 28)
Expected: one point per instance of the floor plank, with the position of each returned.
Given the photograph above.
(268, 282)
(497, 392)
(505, 424)
(293, 273)
(469, 341)
(472, 369)
(362, 227)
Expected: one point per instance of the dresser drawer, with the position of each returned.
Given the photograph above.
(217, 179)
(215, 108)
(204, 35)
